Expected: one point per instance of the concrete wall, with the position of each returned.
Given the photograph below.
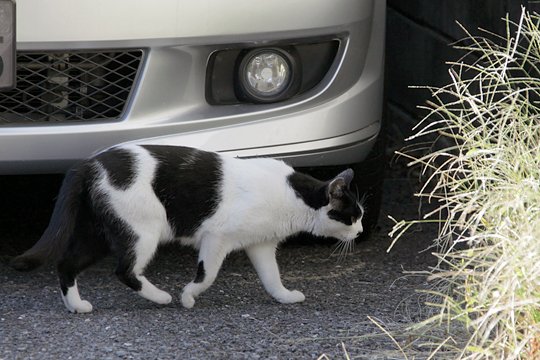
(419, 38)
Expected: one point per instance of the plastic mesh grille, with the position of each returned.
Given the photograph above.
(70, 86)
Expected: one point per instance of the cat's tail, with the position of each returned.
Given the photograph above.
(55, 239)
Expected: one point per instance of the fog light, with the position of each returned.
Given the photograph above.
(266, 75)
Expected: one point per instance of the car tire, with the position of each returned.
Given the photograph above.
(369, 177)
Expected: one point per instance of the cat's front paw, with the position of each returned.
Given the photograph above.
(187, 300)
(188, 295)
(157, 296)
(290, 297)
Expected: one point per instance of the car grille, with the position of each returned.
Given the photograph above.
(70, 86)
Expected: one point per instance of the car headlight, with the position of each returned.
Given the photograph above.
(266, 74)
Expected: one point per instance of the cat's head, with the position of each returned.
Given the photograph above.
(341, 217)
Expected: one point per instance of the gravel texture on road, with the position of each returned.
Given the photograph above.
(235, 318)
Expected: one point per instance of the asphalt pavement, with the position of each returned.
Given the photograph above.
(235, 318)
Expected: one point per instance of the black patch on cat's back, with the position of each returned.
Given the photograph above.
(310, 190)
(188, 183)
(120, 166)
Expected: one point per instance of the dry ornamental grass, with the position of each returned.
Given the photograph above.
(486, 184)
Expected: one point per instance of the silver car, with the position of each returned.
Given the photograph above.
(300, 80)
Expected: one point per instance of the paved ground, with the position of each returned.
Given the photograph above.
(235, 319)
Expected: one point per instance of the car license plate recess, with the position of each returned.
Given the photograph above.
(8, 65)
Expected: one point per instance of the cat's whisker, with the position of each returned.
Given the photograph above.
(344, 256)
(337, 248)
(341, 250)
(340, 257)
(363, 199)
(349, 248)
(344, 250)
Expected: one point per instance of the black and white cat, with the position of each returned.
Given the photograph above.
(130, 199)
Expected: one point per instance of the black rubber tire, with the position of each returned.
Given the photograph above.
(369, 177)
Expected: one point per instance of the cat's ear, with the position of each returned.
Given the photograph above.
(340, 183)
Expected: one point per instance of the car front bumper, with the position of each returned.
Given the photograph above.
(334, 123)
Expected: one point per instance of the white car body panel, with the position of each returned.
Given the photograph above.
(106, 20)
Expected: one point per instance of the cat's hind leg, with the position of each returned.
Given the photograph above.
(211, 256)
(80, 255)
(131, 267)
(70, 292)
